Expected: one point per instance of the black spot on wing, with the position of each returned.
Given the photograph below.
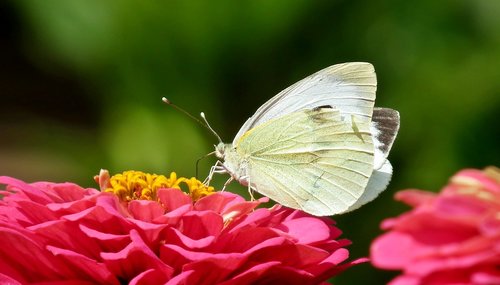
(320, 114)
(386, 121)
(322, 107)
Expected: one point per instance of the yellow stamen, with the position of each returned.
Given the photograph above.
(137, 185)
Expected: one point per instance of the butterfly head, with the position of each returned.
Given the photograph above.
(232, 162)
(220, 150)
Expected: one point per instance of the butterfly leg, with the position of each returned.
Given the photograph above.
(226, 183)
(250, 189)
(217, 168)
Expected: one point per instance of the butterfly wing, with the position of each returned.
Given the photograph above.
(384, 128)
(311, 160)
(349, 87)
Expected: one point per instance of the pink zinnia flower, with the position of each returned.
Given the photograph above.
(142, 229)
(448, 238)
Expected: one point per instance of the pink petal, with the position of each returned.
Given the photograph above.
(147, 277)
(135, 259)
(144, 210)
(174, 217)
(66, 234)
(414, 198)
(27, 257)
(28, 191)
(294, 255)
(251, 274)
(200, 224)
(65, 192)
(332, 266)
(235, 211)
(175, 236)
(461, 206)
(394, 250)
(218, 202)
(406, 280)
(5, 279)
(151, 232)
(67, 208)
(444, 229)
(108, 214)
(458, 277)
(274, 274)
(83, 268)
(268, 243)
(27, 213)
(307, 230)
(245, 240)
(178, 256)
(181, 278)
(107, 242)
(486, 276)
(214, 269)
(478, 177)
(330, 262)
(172, 198)
(257, 217)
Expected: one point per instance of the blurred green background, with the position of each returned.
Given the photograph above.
(81, 83)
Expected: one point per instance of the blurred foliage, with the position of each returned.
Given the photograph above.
(81, 83)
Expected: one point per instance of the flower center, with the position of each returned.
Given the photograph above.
(137, 185)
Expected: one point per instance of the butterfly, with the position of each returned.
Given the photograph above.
(319, 146)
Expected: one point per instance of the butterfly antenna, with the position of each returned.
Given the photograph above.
(168, 102)
(204, 123)
(209, 127)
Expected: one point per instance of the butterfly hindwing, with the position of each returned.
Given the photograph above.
(384, 128)
(312, 159)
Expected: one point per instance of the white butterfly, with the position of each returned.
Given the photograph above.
(319, 145)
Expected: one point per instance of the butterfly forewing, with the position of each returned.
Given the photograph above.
(349, 87)
(312, 159)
